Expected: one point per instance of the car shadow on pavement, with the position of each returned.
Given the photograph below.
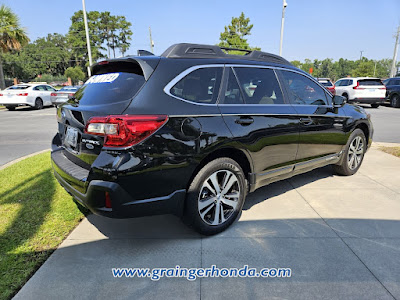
(171, 226)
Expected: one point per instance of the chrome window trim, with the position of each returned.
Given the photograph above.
(176, 79)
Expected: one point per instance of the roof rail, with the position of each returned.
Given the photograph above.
(186, 50)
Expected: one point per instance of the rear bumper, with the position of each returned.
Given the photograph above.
(368, 100)
(91, 194)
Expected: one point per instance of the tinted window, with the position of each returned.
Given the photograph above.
(395, 82)
(345, 82)
(326, 83)
(370, 82)
(259, 86)
(109, 87)
(232, 93)
(350, 82)
(303, 90)
(49, 88)
(200, 86)
(39, 88)
(339, 83)
(18, 87)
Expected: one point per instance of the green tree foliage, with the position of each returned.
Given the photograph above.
(12, 36)
(75, 73)
(344, 68)
(235, 33)
(77, 37)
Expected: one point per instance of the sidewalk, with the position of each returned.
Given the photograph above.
(339, 235)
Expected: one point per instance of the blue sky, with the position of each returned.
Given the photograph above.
(314, 29)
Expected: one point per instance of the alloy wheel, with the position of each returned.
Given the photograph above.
(355, 153)
(219, 197)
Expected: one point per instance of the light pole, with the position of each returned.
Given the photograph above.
(396, 45)
(282, 25)
(87, 37)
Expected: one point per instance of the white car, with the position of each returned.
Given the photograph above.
(35, 95)
(361, 90)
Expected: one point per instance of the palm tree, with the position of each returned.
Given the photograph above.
(12, 36)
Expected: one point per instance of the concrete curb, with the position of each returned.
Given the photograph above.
(22, 158)
(382, 144)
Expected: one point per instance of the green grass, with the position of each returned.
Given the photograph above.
(391, 150)
(36, 215)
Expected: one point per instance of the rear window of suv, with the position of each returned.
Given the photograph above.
(110, 87)
(370, 82)
(200, 86)
(325, 82)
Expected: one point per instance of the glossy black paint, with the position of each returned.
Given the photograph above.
(271, 142)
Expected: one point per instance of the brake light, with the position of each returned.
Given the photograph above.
(22, 94)
(382, 88)
(124, 130)
(357, 87)
(1, 95)
(53, 94)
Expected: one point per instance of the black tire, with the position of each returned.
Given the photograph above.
(345, 168)
(395, 101)
(374, 105)
(38, 103)
(346, 97)
(223, 169)
(11, 108)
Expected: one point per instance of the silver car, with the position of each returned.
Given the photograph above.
(62, 95)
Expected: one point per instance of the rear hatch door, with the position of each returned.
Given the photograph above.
(371, 88)
(108, 92)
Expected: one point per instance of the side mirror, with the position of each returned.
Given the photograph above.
(338, 101)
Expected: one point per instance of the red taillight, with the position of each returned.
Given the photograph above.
(22, 94)
(1, 95)
(357, 87)
(53, 94)
(382, 88)
(124, 130)
(108, 200)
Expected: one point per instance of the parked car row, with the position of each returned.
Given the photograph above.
(34, 95)
(366, 90)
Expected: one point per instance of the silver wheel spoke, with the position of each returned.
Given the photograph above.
(203, 214)
(216, 214)
(210, 188)
(206, 202)
(229, 184)
(222, 214)
(214, 180)
(230, 203)
(232, 195)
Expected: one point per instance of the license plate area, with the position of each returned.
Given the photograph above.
(71, 138)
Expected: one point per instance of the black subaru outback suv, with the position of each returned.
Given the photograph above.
(194, 130)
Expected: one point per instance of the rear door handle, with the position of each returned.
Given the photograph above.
(244, 121)
(306, 121)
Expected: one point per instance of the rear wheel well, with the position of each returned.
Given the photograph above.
(365, 129)
(232, 153)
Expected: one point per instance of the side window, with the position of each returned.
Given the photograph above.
(40, 88)
(339, 83)
(303, 90)
(259, 86)
(345, 82)
(200, 86)
(350, 82)
(49, 88)
(232, 93)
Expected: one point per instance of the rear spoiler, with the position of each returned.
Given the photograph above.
(146, 64)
